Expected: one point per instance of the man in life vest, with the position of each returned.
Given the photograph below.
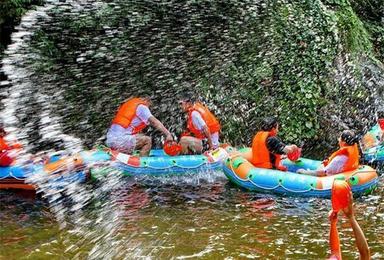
(131, 118)
(203, 128)
(267, 148)
(343, 160)
(6, 148)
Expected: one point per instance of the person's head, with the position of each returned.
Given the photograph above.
(348, 137)
(147, 100)
(270, 124)
(186, 103)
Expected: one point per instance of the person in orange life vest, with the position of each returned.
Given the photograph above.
(369, 140)
(132, 117)
(267, 148)
(334, 240)
(203, 128)
(6, 158)
(344, 159)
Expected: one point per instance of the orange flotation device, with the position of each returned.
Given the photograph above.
(127, 112)
(5, 159)
(295, 155)
(341, 192)
(172, 148)
(380, 122)
(3, 145)
(211, 121)
(352, 152)
(260, 153)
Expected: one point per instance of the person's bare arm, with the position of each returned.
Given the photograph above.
(289, 148)
(334, 240)
(159, 126)
(361, 241)
(209, 136)
(318, 172)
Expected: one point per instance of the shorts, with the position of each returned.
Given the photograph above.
(205, 145)
(121, 142)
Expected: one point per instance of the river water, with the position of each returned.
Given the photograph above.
(193, 216)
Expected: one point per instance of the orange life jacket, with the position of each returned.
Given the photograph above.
(211, 121)
(352, 152)
(4, 145)
(127, 112)
(260, 153)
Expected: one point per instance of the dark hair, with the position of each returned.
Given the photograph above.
(268, 123)
(349, 137)
(187, 98)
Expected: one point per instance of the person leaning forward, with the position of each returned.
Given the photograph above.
(267, 148)
(131, 118)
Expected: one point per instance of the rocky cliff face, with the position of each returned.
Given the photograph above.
(315, 64)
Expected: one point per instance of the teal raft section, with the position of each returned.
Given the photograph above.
(19, 174)
(374, 154)
(156, 164)
(292, 184)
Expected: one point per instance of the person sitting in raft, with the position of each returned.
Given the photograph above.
(334, 240)
(6, 158)
(203, 128)
(131, 118)
(267, 148)
(370, 139)
(344, 159)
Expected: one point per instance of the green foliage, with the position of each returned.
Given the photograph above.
(371, 13)
(354, 34)
(11, 12)
(245, 60)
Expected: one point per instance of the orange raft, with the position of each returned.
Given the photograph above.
(240, 171)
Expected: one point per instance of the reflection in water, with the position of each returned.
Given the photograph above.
(182, 218)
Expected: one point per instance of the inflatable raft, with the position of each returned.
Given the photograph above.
(373, 150)
(240, 171)
(60, 171)
(159, 163)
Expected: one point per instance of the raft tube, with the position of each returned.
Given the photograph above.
(65, 171)
(373, 151)
(240, 171)
(159, 163)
